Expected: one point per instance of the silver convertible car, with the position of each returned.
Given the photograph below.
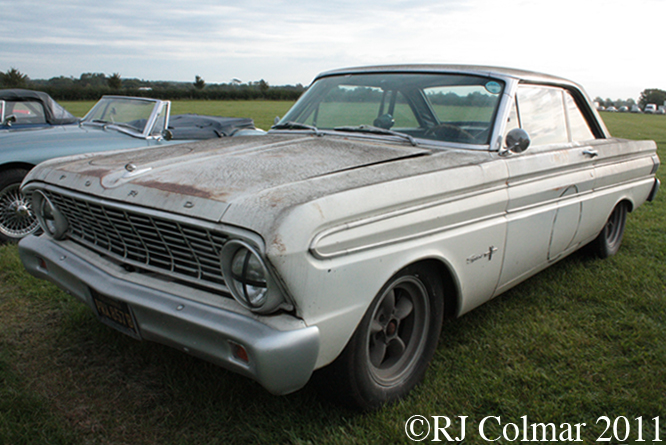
(385, 200)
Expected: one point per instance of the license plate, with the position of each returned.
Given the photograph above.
(115, 313)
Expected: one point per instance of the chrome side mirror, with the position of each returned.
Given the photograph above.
(516, 141)
(9, 120)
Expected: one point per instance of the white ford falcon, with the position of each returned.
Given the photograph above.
(385, 200)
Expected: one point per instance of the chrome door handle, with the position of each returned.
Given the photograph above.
(590, 153)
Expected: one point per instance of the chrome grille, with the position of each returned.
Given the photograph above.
(180, 250)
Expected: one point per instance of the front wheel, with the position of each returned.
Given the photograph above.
(16, 216)
(609, 240)
(392, 346)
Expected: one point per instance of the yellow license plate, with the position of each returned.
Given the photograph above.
(115, 313)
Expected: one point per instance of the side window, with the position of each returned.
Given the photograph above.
(27, 112)
(578, 127)
(542, 115)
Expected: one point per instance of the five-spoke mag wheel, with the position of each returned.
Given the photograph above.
(396, 337)
(609, 240)
(393, 344)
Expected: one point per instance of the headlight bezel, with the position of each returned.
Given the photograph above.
(50, 218)
(243, 286)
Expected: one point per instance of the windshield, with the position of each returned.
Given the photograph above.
(438, 107)
(128, 113)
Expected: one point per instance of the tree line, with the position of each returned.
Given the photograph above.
(648, 96)
(92, 86)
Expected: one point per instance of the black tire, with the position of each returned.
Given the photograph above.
(392, 346)
(609, 240)
(16, 216)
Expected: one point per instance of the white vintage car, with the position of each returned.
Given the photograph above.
(386, 199)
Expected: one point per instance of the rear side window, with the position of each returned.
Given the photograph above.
(27, 112)
(542, 115)
(578, 127)
(549, 115)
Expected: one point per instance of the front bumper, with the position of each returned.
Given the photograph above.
(281, 360)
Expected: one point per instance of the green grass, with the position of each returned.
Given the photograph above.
(583, 339)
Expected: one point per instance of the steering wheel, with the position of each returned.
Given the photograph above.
(450, 133)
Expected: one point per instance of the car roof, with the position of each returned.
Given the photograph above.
(492, 71)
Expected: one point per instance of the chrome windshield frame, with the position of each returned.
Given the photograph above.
(159, 107)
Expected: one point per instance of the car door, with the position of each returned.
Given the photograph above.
(549, 184)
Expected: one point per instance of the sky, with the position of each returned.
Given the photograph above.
(611, 47)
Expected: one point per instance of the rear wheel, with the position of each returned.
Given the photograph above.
(16, 216)
(391, 348)
(609, 240)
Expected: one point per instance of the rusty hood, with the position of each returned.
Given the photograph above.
(204, 179)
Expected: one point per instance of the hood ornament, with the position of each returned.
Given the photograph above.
(130, 167)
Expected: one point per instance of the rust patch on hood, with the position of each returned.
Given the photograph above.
(170, 187)
(94, 172)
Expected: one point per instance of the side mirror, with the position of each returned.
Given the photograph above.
(9, 120)
(167, 135)
(517, 141)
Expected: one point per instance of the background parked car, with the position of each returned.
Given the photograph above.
(114, 123)
(21, 109)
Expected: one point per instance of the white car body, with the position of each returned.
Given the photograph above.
(333, 216)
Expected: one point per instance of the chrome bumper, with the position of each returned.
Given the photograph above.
(280, 360)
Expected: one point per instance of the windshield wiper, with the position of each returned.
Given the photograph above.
(95, 121)
(120, 126)
(296, 126)
(377, 130)
(124, 125)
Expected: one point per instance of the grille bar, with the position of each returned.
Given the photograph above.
(176, 249)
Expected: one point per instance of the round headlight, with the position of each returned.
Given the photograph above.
(50, 218)
(248, 278)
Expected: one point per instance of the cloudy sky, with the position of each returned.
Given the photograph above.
(612, 47)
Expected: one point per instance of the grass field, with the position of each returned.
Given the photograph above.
(586, 338)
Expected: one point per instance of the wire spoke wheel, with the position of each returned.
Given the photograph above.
(16, 216)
